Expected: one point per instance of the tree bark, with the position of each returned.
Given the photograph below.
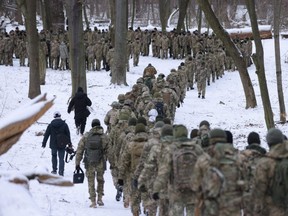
(233, 51)
(85, 16)
(164, 6)
(183, 4)
(76, 47)
(47, 21)
(277, 14)
(28, 8)
(259, 64)
(120, 57)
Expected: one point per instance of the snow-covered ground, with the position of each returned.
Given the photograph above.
(223, 107)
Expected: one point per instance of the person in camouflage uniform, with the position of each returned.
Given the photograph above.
(22, 51)
(219, 178)
(150, 71)
(98, 50)
(91, 57)
(95, 153)
(251, 156)
(171, 172)
(262, 194)
(8, 50)
(153, 139)
(111, 117)
(129, 161)
(201, 77)
(136, 51)
(64, 56)
(151, 166)
(127, 136)
(55, 53)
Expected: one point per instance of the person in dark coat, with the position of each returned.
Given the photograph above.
(56, 126)
(79, 103)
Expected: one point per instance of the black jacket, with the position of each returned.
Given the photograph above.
(80, 102)
(57, 125)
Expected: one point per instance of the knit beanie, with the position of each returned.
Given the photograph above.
(253, 137)
(274, 136)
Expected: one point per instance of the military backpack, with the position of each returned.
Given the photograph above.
(184, 158)
(93, 150)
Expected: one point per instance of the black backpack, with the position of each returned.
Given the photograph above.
(159, 106)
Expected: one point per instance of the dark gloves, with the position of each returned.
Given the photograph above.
(77, 167)
(142, 188)
(43, 145)
(120, 182)
(155, 196)
(135, 183)
(178, 105)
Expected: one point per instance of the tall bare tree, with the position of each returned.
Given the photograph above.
(277, 4)
(120, 56)
(183, 5)
(233, 51)
(258, 59)
(76, 46)
(164, 7)
(28, 8)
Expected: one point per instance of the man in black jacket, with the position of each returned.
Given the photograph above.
(79, 103)
(56, 127)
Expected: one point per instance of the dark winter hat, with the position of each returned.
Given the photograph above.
(167, 130)
(80, 89)
(95, 122)
(180, 131)
(57, 114)
(140, 128)
(159, 124)
(229, 136)
(217, 135)
(204, 122)
(132, 121)
(254, 138)
(274, 136)
(194, 133)
(142, 120)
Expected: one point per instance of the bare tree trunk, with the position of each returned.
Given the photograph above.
(183, 4)
(28, 8)
(57, 14)
(85, 16)
(164, 6)
(120, 57)
(153, 12)
(258, 59)
(113, 20)
(199, 18)
(233, 51)
(277, 13)
(47, 21)
(133, 13)
(76, 47)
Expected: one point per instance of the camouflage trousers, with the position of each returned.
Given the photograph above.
(177, 208)
(91, 173)
(181, 202)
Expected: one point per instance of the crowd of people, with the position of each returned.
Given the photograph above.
(54, 47)
(155, 162)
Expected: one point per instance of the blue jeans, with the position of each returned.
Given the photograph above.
(61, 153)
